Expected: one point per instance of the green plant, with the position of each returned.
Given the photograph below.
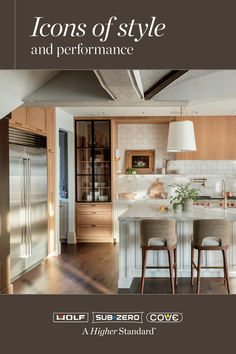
(182, 192)
(130, 171)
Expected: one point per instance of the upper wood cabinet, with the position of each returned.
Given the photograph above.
(19, 117)
(50, 120)
(37, 118)
(215, 139)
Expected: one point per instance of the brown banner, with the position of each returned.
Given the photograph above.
(127, 34)
(70, 323)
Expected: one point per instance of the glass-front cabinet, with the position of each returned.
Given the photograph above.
(93, 160)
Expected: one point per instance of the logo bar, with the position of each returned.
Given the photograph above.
(114, 317)
(164, 317)
(70, 317)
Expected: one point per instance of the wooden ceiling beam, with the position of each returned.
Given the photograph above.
(163, 82)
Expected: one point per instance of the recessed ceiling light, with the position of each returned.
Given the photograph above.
(194, 112)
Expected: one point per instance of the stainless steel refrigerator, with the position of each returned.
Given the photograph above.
(28, 201)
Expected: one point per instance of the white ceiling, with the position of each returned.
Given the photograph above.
(120, 92)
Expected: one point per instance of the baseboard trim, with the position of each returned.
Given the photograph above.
(8, 290)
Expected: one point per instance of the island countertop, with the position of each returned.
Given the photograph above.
(145, 212)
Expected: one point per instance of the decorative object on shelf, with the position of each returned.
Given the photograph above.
(131, 171)
(181, 135)
(143, 161)
(184, 196)
(156, 190)
(117, 155)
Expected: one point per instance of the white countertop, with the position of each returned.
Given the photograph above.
(142, 201)
(143, 211)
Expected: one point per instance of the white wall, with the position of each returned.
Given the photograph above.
(64, 121)
(16, 84)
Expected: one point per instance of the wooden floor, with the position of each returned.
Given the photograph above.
(93, 269)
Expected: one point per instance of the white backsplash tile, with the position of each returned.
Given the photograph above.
(144, 137)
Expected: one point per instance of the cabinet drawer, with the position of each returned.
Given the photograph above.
(93, 207)
(94, 218)
(94, 233)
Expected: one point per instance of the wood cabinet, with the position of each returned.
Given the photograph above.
(50, 120)
(34, 119)
(215, 139)
(94, 222)
(37, 119)
(93, 160)
(19, 117)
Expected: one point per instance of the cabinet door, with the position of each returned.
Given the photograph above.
(215, 139)
(37, 119)
(50, 121)
(19, 117)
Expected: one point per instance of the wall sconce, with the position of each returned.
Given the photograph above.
(117, 155)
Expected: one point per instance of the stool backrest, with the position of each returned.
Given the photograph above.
(164, 230)
(216, 228)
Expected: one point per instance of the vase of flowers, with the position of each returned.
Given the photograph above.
(183, 197)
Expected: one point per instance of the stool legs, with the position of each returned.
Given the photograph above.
(192, 265)
(199, 270)
(171, 267)
(175, 260)
(144, 260)
(226, 270)
(171, 271)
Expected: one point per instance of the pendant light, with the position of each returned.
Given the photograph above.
(181, 135)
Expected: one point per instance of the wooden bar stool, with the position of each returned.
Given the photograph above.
(212, 235)
(158, 235)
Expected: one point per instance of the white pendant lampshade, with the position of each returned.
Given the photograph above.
(181, 136)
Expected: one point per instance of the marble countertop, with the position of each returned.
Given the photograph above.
(144, 211)
(142, 201)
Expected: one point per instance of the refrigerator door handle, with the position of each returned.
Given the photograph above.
(24, 247)
(29, 232)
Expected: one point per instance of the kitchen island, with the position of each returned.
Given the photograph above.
(130, 260)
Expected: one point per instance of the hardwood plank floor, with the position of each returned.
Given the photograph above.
(80, 269)
(93, 269)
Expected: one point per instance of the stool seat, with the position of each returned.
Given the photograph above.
(210, 235)
(158, 235)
